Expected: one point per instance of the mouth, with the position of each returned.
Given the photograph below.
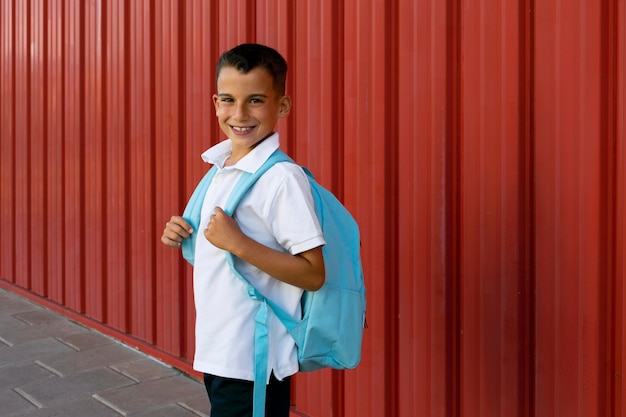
(242, 130)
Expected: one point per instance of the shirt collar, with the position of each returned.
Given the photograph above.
(218, 154)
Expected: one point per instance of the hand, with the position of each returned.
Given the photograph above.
(223, 231)
(175, 231)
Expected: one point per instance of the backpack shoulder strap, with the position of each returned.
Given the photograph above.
(192, 213)
(248, 179)
(261, 331)
(243, 185)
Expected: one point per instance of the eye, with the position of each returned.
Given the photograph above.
(256, 101)
(226, 99)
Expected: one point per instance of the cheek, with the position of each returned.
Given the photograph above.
(221, 112)
(267, 115)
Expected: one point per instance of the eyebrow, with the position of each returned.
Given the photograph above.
(250, 96)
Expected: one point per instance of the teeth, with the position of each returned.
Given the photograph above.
(241, 129)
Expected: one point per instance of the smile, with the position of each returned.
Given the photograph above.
(242, 130)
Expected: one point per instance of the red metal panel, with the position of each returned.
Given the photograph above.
(37, 138)
(54, 222)
(169, 286)
(236, 23)
(313, 77)
(200, 127)
(7, 135)
(73, 239)
(370, 139)
(493, 298)
(116, 122)
(22, 203)
(142, 169)
(618, 62)
(423, 229)
(94, 223)
(567, 156)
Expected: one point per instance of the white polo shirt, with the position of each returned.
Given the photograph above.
(278, 211)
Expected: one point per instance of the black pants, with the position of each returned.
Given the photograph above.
(233, 397)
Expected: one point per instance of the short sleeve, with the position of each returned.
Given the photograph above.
(282, 200)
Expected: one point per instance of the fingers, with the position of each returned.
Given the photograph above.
(222, 230)
(208, 226)
(182, 223)
(218, 214)
(175, 231)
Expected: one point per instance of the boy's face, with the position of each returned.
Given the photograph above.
(247, 106)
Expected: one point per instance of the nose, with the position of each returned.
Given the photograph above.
(241, 112)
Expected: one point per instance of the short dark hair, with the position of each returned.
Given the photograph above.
(247, 56)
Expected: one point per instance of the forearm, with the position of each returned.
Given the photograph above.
(305, 270)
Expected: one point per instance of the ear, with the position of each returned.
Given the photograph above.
(284, 106)
(216, 102)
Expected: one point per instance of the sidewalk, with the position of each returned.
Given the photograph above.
(51, 366)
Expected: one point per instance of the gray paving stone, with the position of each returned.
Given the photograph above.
(13, 304)
(38, 316)
(151, 394)
(199, 404)
(84, 407)
(15, 376)
(51, 366)
(8, 322)
(88, 340)
(57, 328)
(173, 410)
(145, 369)
(31, 351)
(73, 362)
(58, 390)
(12, 403)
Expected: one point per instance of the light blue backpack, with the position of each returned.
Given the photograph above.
(333, 318)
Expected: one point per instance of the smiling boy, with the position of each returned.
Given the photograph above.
(274, 234)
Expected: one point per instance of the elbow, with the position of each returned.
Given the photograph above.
(314, 274)
(317, 281)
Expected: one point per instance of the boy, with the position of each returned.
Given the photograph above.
(274, 234)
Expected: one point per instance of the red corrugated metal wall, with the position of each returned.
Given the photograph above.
(480, 145)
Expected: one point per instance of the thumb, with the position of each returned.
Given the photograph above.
(218, 210)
